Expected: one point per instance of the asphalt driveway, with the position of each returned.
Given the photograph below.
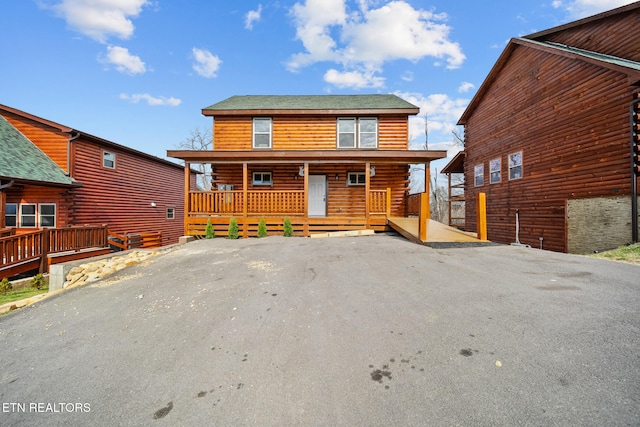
(351, 331)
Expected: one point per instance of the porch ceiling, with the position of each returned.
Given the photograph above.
(311, 156)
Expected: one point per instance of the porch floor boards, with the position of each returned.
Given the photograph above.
(438, 234)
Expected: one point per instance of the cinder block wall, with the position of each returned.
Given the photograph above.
(597, 224)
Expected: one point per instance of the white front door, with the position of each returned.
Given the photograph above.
(317, 195)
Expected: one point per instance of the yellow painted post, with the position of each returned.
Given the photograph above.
(388, 202)
(423, 216)
(481, 215)
(245, 198)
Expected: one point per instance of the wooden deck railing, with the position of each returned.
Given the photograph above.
(128, 241)
(258, 202)
(264, 202)
(28, 251)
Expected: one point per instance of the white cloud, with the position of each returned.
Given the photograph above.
(368, 37)
(100, 19)
(206, 64)
(582, 8)
(251, 17)
(442, 113)
(353, 79)
(153, 101)
(123, 60)
(466, 87)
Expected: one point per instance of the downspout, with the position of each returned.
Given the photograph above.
(7, 185)
(71, 138)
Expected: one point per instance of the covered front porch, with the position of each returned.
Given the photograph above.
(319, 191)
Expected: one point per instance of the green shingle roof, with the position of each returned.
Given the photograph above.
(20, 159)
(311, 102)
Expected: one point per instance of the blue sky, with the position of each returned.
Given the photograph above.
(138, 72)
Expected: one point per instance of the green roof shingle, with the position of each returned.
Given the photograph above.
(20, 159)
(311, 102)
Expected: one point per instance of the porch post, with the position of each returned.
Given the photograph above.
(187, 197)
(306, 199)
(388, 202)
(367, 196)
(245, 198)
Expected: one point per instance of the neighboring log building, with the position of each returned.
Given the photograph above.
(52, 175)
(547, 136)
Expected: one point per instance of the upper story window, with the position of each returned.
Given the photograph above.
(108, 160)
(494, 171)
(262, 132)
(358, 132)
(515, 165)
(478, 175)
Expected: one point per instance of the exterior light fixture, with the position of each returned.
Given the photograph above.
(372, 171)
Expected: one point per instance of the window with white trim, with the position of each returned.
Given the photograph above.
(478, 175)
(11, 215)
(262, 132)
(171, 212)
(359, 132)
(108, 160)
(515, 165)
(47, 215)
(356, 178)
(28, 216)
(262, 178)
(494, 171)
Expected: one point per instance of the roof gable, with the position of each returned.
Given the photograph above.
(311, 104)
(21, 160)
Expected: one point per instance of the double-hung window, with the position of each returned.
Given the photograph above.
(262, 127)
(359, 132)
(478, 175)
(47, 215)
(515, 165)
(108, 160)
(494, 171)
(11, 215)
(28, 215)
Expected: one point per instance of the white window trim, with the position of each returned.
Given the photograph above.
(513, 166)
(104, 154)
(478, 172)
(356, 132)
(357, 175)
(171, 209)
(35, 215)
(493, 170)
(254, 132)
(261, 181)
(39, 214)
(16, 215)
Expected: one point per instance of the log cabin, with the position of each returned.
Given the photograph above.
(326, 162)
(547, 137)
(52, 175)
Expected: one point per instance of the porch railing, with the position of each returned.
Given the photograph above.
(258, 202)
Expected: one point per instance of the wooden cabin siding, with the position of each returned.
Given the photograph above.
(122, 197)
(51, 141)
(570, 120)
(612, 36)
(304, 133)
(31, 194)
(342, 200)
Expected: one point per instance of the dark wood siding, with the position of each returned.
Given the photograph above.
(122, 197)
(615, 36)
(570, 120)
